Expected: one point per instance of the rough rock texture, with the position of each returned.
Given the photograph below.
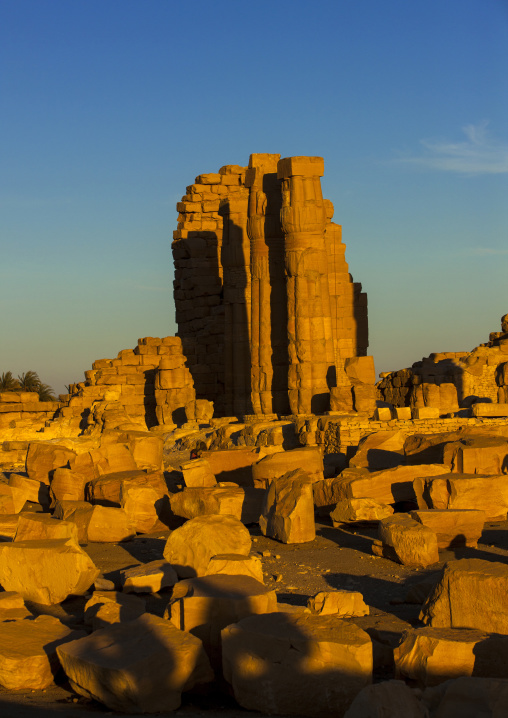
(433, 655)
(389, 699)
(46, 571)
(142, 505)
(306, 665)
(288, 510)
(204, 606)
(273, 467)
(67, 485)
(28, 659)
(141, 666)
(338, 603)
(407, 541)
(470, 594)
(44, 457)
(197, 473)
(193, 502)
(352, 510)
(477, 455)
(234, 564)
(190, 547)
(387, 486)
(465, 491)
(460, 527)
(12, 499)
(149, 577)
(108, 525)
(107, 607)
(38, 527)
(35, 491)
(471, 698)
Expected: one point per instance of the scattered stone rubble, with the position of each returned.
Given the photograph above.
(259, 417)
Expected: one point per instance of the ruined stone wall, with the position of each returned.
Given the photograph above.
(343, 435)
(266, 308)
(21, 411)
(199, 291)
(452, 380)
(143, 386)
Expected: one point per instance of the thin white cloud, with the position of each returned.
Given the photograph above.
(478, 154)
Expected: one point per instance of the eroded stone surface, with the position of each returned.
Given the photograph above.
(204, 606)
(28, 651)
(190, 547)
(307, 665)
(288, 511)
(471, 593)
(142, 666)
(46, 571)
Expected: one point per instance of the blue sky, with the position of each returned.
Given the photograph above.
(109, 108)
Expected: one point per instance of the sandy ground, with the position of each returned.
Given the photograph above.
(337, 558)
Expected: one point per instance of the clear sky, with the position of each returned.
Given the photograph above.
(109, 108)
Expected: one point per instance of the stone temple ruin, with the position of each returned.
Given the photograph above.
(216, 453)
(266, 308)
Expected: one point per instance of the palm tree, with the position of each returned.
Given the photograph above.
(29, 381)
(8, 382)
(46, 393)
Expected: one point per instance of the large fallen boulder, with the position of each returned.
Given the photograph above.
(296, 664)
(12, 499)
(234, 564)
(358, 511)
(388, 699)
(379, 450)
(148, 577)
(105, 524)
(471, 593)
(107, 489)
(43, 457)
(288, 509)
(35, 491)
(468, 697)
(142, 666)
(142, 505)
(487, 493)
(233, 464)
(46, 571)
(28, 659)
(67, 485)
(38, 527)
(204, 606)
(453, 527)
(338, 603)
(197, 474)
(107, 607)
(388, 486)
(307, 459)
(406, 541)
(431, 655)
(477, 455)
(190, 547)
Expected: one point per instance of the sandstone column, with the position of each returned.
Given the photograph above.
(269, 363)
(310, 341)
(235, 259)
